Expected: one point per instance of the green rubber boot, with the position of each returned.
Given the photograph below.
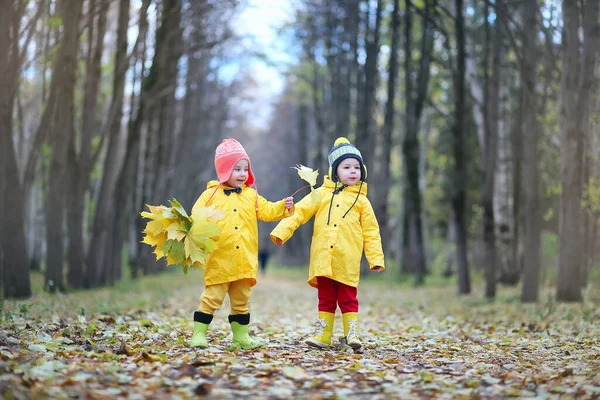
(201, 322)
(239, 326)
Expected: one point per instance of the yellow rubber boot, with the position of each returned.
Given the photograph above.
(322, 336)
(351, 330)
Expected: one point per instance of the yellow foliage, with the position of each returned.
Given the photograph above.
(307, 174)
(180, 239)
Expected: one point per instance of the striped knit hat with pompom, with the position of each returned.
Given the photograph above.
(342, 149)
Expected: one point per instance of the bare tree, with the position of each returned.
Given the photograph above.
(380, 202)
(81, 161)
(531, 175)
(61, 135)
(459, 187)
(366, 134)
(14, 267)
(491, 151)
(413, 254)
(102, 230)
(577, 81)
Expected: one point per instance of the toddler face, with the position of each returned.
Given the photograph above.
(239, 175)
(348, 171)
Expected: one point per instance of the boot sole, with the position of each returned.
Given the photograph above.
(316, 343)
(356, 346)
(252, 347)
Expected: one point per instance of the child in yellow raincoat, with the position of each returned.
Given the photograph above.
(232, 268)
(345, 225)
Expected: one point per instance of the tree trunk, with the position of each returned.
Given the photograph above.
(531, 174)
(589, 81)
(507, 268)
(577, 81)
(383, 179)
(366, 132)
(100, 250)
(413, 256)
(62, 134)
(166, 55)
(80, 165)
(156, 176)
(491, 151)
(459, 192)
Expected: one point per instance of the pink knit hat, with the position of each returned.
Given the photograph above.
(228, 153)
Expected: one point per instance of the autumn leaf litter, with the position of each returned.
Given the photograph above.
(418, 343)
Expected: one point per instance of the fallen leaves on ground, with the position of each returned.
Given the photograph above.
(418, 343)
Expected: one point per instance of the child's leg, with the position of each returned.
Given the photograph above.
(327, 292)
(349, 306)
(239, 296)
(211, 300)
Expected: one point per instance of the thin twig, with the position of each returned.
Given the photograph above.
(303, 187)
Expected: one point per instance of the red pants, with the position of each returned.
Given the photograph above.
(332, 293)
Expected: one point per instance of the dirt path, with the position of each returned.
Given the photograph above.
(418, 343)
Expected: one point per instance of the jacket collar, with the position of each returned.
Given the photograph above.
(214, 184)
(329, 184)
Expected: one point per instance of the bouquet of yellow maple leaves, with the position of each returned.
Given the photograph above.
(180, 238)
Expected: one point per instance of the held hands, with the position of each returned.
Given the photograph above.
(289, 202)
(377, 268)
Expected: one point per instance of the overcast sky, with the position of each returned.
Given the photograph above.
(258, 24)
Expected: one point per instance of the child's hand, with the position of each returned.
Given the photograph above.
(289, 202)
(377, 268)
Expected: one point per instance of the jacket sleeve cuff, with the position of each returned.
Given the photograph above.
(277, 240)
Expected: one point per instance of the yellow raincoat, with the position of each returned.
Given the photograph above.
(337, 244)
(237, 254)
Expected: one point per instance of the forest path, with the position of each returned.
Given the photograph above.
(417, 343)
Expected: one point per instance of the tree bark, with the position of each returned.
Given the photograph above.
(491, 151)
(459, 192)
(80, 165)
(160, 126)
(531, 174)
(14, 268)
(103, 229)
(577, 80)
(62, 134)
(413, 254)
(366, 132)
(383, 178)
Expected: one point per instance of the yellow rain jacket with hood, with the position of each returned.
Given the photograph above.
(345, 225)
(237, 254)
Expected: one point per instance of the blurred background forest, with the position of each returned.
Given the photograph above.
(478, 120)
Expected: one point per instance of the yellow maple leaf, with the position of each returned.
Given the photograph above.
(154, 227)
(158, 252)
(307, 174)
(174, 231)
(171, 260)
(195, 249)
(154, 240)
(207, 213)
